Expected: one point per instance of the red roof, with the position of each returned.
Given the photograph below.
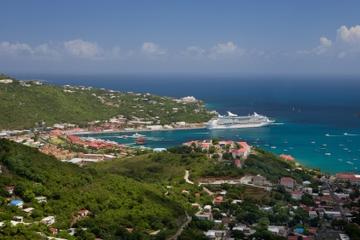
(347, 176)
(219, 199)
(287, 181)
(287, 157)
(244, 145)
(238, 151)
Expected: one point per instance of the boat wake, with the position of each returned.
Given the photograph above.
(155, 139)
(333, 135)
(277, 123)
(342, 135)
(351, 134)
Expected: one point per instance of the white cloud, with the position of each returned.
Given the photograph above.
(153, 49)
(194, 51)
(349, 35)
(325, 42)
(225, 49)
(347, 44)
(15, 49)
(325, 45)
(82, 49)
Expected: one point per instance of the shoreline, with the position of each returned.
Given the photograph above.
(134, 131)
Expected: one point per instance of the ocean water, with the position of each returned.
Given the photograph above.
(318, 118)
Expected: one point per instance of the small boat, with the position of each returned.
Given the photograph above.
(137, 135)
(140, 140)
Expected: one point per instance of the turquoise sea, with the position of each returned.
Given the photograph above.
(318, 118)
(311, 145)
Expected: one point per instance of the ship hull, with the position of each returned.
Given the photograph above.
(234, 126)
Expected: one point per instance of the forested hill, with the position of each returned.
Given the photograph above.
(120, 206)
(24, 103)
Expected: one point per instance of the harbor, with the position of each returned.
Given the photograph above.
(311, 145)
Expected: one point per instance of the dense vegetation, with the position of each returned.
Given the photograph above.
(116, 202)
(23, 104)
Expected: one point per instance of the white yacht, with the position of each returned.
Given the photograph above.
(234, 121)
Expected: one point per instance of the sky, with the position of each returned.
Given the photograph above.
(203, 36)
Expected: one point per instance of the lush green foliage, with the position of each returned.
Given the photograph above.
(116, 202)
(23, 106)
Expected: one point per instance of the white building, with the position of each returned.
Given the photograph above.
(48, 220)
(6, 81)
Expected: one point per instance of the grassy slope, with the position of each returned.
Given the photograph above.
(22, 107)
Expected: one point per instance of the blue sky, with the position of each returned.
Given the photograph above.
(244, 37)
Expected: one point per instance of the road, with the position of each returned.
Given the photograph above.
(186, 177)
(182, 227)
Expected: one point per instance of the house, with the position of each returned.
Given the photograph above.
(10, 189)
(308, 190)
(28, 210)
(216, 234)
(83, 213)
(278, 230)
(333, 214)
(54, 231)
(313, 214)
(259, 180)
(236, 201)
(237, 153)
(207, 208)
(202, 215)
(344, 236)
(19, 219)
(16, 203)
(287, 182)
(243, 152)
(218, 200)
(6, 81)
(41, 199)
(287, 157)
(205, 214)
(159, 149)
(244, 229)
(48, 220)
(296, 195)
(348, 177)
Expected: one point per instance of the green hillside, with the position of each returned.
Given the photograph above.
(116, 202)
(128, 198)
(22, 104)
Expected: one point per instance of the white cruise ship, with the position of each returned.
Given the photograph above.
(235, 121)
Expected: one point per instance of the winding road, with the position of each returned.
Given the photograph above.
(182, 227)
(186, 177)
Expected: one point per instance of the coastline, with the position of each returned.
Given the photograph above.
(79, 133)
